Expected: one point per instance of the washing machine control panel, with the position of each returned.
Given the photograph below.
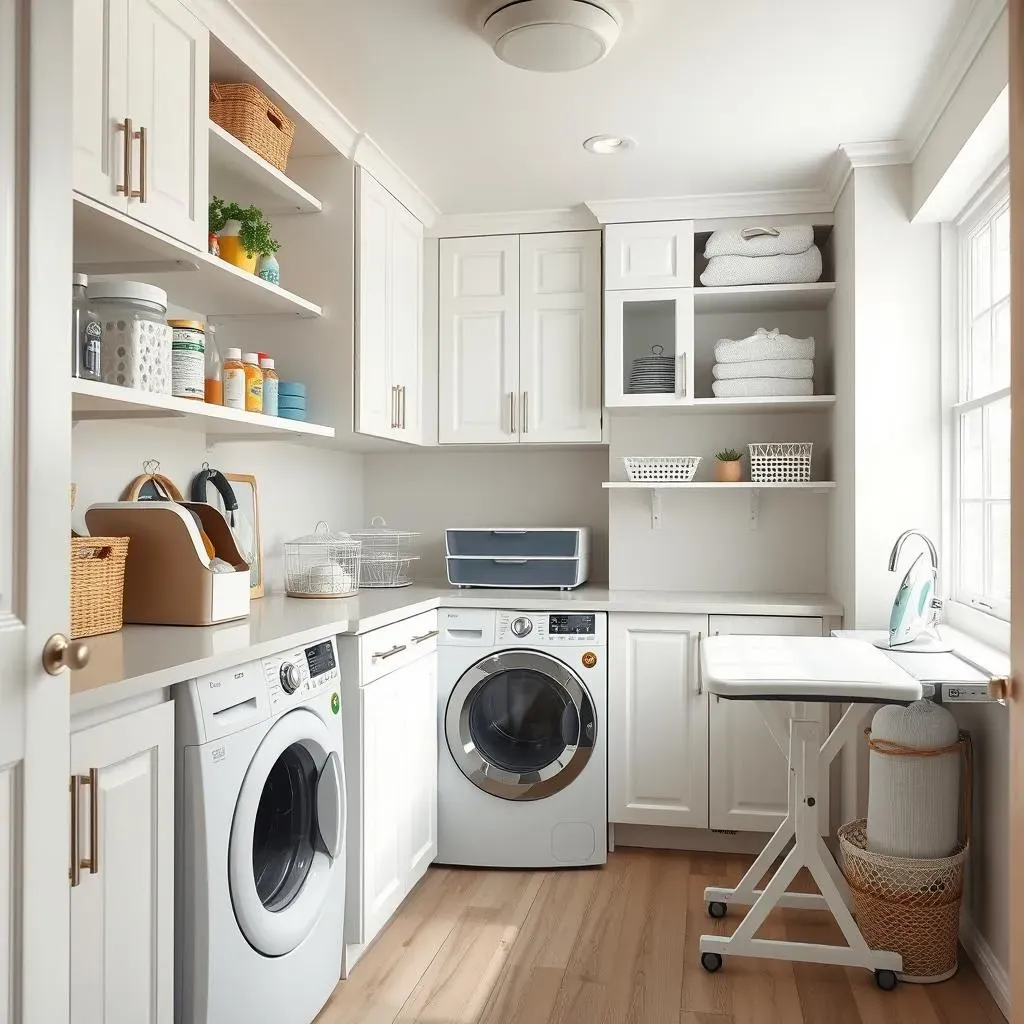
(554, 628)
(297, 674)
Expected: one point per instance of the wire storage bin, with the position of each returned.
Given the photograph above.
(322, 564)
(780, 462)
(387, 555)
(661, 468)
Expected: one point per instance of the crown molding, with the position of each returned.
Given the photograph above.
(710, 206)
(516, 222)
(852, 155)
(375, 161)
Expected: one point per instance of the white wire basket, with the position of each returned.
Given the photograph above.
(387, 555)
(322, 564)
(780, 462)
(661, 468)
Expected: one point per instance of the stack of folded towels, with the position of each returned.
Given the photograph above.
(762, 255)
(767, 364)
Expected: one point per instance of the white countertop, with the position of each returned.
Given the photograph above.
(139, 659)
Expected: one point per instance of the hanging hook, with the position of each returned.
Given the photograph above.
(151, 467)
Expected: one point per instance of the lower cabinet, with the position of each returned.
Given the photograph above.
(122, 892)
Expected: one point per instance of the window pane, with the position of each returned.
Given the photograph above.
(972, 465)
(999, 550)
(972, 553)
(998, 449)
(1001, 269)
(979, 357)
(1001, 348)
(981, 271)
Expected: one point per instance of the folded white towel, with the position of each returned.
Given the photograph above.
(760, 241)
(763, 344)
(793, 369)
(802, 268)
(761, 387)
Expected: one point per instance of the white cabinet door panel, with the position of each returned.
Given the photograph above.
(420, 701)
(406, 314)
(653, 255)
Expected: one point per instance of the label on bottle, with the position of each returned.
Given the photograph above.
(254, 393)
(234, 388)
(188, 363)
(91, 347)
(270, 396)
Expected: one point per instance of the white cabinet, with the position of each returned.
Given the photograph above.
(651, 255)
(143, 65)
(748, 784)
(520, 339)
(389, 270)
(657, 721)
(122, 897)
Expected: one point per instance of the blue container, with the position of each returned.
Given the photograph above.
(292, 414)
(291, 389)
(288, 402)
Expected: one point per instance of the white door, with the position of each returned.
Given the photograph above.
(749, 779)
(405, 310)
(35, 436)
(420, 701)
(100, 99)
(122, 900)
(654, 255)
(168, 95)
(560, 337)
(478, 346)
(658, 721)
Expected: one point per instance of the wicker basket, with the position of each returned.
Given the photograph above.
(908, 905)
(97, 585)
(246, 113)
(780, 463)
(661, 469)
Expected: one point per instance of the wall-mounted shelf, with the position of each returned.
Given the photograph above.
(108, 242)
(94, 400)
(762, 298)
(798, 403)
(265, 185)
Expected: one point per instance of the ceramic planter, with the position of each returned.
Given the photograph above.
(231, 247)
(728, 472)
(269, 269)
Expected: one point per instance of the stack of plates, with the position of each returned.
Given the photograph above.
(653, 375)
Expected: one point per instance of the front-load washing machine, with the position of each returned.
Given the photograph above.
(522, 738)
(260, 806)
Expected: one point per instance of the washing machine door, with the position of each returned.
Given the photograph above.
(520, 725)
(287, 834)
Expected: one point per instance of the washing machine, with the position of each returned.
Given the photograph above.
(260, 839)
(522, 738)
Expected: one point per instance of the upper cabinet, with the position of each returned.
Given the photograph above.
(520, 339)
(141, 74)
(389, 315)
(655, 255)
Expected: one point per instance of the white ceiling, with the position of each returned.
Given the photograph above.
(723, 96)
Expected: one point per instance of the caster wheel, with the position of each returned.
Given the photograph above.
(716, 909)
(885, 980)
(712, 962)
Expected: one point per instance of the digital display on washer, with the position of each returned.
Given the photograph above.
(320, 658)
(571, 625)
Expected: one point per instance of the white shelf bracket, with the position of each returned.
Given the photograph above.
(755, 508)
(655, 509)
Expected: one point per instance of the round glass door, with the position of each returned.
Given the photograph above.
(520, 725)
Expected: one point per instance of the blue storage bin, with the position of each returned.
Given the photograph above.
(292, 414)
(291, 388)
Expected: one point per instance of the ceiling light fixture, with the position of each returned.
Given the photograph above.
(607, 145)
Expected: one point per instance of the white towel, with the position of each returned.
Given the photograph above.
(761, 241)
(802, 268)
(763, 344)
(761, 387)
(794, 369)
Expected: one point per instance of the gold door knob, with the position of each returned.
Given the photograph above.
(60, 653)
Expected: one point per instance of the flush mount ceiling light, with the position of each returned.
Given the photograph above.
(550, 35)
(607, 145)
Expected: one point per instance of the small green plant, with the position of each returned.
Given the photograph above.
(729, 455)
(254, 232)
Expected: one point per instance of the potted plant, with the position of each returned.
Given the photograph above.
(242, 235)
(727, 466)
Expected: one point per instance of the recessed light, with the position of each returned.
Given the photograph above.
(606, 145)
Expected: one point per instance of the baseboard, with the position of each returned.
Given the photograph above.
(990, 970)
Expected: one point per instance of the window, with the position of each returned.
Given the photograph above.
(981, 413)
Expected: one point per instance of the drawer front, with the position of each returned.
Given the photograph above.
(390, 647)
(514, 543)
(765, 625)
(515, 572)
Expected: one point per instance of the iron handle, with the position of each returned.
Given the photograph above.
(126, 127)
(142, 193)
(75, 869)
(426, 636)
(512, 412)
(92, 780)
(700, 670)
(397, 649)
(526, 412)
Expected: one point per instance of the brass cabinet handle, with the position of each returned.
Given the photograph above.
(92, 780)
(526, 411)
(394, 406)
(75, 870)
(512, 412)
(426, 636)
(683, 357)
(60, 653)
(401, 398)
(126, 186)
(142, 193)
(397, 649)
(700, 671)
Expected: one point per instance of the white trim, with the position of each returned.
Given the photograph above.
(979, 626)
(985, 198)
(703, 207)
(368, 154)
(516, 222)
(993, 974)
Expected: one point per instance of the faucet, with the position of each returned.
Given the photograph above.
(936, 602)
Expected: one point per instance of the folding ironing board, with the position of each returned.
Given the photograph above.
(780, 673)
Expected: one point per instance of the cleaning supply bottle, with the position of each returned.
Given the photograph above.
(253, 383)
(86, 332)
(271, 380)
(233, 379)
(213, 384)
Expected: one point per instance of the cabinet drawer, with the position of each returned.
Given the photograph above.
(764, 625)
(564, 573)
(516, 543)
(390, 647)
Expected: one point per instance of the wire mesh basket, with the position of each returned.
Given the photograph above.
(387, 555)
(322, 564)
(780, 463)
(661, 468)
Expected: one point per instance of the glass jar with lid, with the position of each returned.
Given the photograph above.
(322, 564)
(136, 351)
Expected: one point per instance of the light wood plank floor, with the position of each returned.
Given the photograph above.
(613, 946)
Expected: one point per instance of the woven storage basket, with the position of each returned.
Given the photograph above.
(661, 469)
(904, 904)
(97, 584)
(780, 463)
(246, 113)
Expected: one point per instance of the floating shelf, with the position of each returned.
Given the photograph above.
(797, 403)
(109, 243)
(265, 185)
(94, 400)
(763, 298)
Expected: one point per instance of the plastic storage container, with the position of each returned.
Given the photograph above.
(86, 333)
(136, 337)
(322, 564)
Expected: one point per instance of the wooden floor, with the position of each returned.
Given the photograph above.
(616, 945)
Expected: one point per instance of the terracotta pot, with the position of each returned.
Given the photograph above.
(728, 472)
(231, 248)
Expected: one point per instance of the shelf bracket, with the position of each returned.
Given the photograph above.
(755, 508)
(655, 509)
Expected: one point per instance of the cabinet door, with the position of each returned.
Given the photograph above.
(654, 255)
(420, 703)
(122, 923)
(749, 779)
(560, 337)
(405, 311)
(168, 95)
(657, 721)
(100, 98)
(654, 326)
(478, 344)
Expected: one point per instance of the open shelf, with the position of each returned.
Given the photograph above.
(762, 298)
(798, 403)
(110, 243)
(94, 400)
(713, 485)
(266, 186)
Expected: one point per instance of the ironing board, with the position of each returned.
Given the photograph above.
(779, 672)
